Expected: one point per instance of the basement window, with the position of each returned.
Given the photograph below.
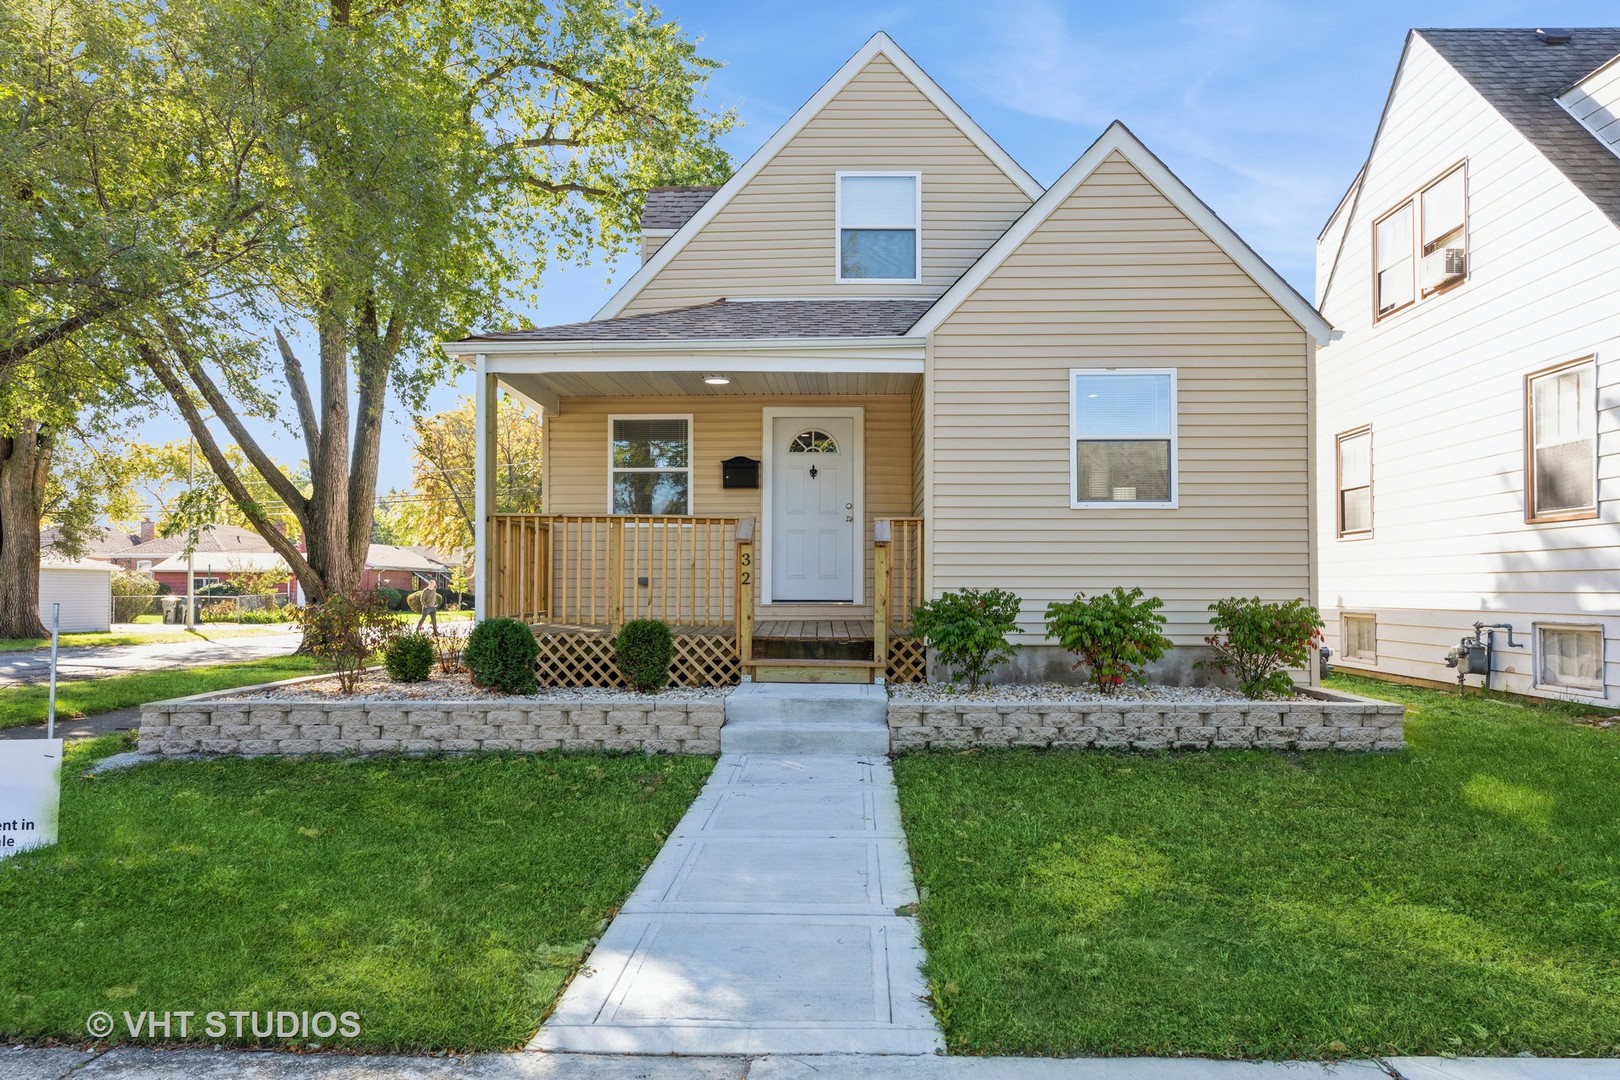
(650, 464)
(1123, 438)
(1570, 658)
(879, 236)
(1359, 637)
(1561, 442)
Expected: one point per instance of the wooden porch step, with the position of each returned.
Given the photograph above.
(813, 671)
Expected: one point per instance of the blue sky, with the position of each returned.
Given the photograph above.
(1264, 108)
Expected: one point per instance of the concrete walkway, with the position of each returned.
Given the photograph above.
(33, 666)
(134, 1063)
(768, 924)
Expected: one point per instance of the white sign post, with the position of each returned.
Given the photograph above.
(31, 777)
(30, 793)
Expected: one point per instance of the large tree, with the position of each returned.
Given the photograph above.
(121, 190)
(437, 156)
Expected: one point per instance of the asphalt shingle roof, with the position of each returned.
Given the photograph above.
(740, 319)
(672, 207)
(1521, 77)
(221, 538)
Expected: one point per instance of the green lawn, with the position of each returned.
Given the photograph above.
(1460, 897)
(445, 900)
(86, 697)
(212, 632)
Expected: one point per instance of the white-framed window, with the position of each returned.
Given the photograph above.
(1560, 479)
(650, 464)
(1358, 636)
(143, 564)
(1122, 445)
(879, 226)
(1570, 658)
(1354, 483)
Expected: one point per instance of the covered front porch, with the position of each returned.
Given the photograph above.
(763, 498)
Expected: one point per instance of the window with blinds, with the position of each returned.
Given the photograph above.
(1123, 429)
(1394, 259)
(879, 238)
(650, 464)
(1561, 413)
(1355, 482)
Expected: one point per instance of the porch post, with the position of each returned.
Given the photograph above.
(882, 533)
(744, 585)
(485, 402)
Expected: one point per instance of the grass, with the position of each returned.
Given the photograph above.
(87, 697)
(1461, 897)
(444, 900)
(444, 616)
(139, 637)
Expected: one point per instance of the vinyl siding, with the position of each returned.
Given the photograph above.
(1442, 384)
(777, 236)
(1595, 102)
(576, 469)
(1119, 277)
(85, 596)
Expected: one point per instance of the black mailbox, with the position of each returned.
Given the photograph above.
(739, 472)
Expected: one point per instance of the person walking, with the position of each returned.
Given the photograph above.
(430, 608)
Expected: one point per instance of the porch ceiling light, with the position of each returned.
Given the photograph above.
(717, 380)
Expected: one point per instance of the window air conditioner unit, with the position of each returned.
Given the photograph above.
(1443, 266)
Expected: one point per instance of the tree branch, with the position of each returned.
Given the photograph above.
(227, 476)
(300, 391)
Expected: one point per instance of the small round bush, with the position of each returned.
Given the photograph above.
(500, 655)
(393, 598)
(644, 650)
(409, 658)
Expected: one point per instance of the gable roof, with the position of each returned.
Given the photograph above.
(724, 319)
(1118, 139)
(668, 208)
(1521, 77)
(101, 542)
(880, 44)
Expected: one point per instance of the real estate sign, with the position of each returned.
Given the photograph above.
(30, 793)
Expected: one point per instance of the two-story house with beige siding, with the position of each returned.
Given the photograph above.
(882, 362)
(1469, 411)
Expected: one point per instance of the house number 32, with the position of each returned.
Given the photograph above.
(747, 560)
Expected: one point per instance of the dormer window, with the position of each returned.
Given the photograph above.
(879, 238)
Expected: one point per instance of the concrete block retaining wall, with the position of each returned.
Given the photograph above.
(1326, 721)
(207, 725)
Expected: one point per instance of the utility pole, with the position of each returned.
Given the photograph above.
(191, 538)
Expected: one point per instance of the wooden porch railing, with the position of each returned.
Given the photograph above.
(897, 577)
(605, 570)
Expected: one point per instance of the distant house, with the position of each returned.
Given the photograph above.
(103, 544)
(404, 568)
(1469, 415)
(882, 362)
(220, 551)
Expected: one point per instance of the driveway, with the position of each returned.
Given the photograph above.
(96, 662)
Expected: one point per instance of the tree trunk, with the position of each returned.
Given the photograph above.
(24, 458)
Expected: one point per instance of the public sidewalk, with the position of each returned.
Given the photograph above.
(138, 1064)
(33, 666)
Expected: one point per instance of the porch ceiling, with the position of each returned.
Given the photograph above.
(550, 389)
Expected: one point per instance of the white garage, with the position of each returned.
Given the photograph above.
(84, 589)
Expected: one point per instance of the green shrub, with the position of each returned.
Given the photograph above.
(1115, 634)
(409, 658)
(644, 649)
(132, 594)
(394, 598)
(968, 630)
(414, 602)
(345, 631)
(1255, 641)
(500, 655)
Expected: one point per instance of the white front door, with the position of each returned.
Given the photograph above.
(813, 529)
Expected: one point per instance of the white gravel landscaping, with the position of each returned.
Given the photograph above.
(377, 686)
(1058, 692)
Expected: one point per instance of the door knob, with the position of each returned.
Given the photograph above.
(849, 506)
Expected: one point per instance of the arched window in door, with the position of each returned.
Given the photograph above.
(813, 442)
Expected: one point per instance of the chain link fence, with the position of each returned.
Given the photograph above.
(170, 608)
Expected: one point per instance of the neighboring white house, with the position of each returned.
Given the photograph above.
(84, 589)
(1469, 416)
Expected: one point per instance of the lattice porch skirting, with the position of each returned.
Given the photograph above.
(584, 657)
